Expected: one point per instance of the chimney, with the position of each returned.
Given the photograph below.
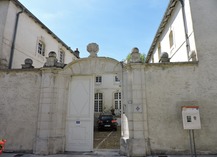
(77, 52)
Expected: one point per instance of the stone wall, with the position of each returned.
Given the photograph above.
(34, 102)
(19, 100)
(153, 97)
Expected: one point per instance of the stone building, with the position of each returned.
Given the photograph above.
(50, 110)
(175, 35)
(157, 92)
(22, 35)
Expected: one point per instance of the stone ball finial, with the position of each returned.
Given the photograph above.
(28, 61)
(135, 55)
(28, 64)
(52, 54)
(51, 59)
(164, 57)
(93, 49)
(135, 50)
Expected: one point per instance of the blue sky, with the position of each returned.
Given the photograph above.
(115, 25)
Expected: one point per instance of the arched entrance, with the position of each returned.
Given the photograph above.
(82, 88)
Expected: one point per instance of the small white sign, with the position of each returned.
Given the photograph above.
(191, 117)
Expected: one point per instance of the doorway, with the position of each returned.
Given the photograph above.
(79, 119)
(88, 77)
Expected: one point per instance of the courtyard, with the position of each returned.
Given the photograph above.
(107, 139)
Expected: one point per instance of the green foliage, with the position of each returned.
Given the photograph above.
(128, 57)
(142, 56)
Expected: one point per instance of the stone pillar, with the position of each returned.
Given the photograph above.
(137, 139)
(135, 111)
(50, 138)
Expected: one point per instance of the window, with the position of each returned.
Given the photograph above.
(98, 102)
(117, 99)
(62, 56)
(159, 50)
(117, 80)
(41, 48)
(171, 38)
(98, 79)
(152, 58)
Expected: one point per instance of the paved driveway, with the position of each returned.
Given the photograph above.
(107, 139)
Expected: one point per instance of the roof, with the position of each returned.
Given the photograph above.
(25, 10)
(163, 23)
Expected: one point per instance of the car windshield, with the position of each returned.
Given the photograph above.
(106, 117)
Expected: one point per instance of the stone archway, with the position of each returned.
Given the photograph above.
(64, 116)
(80, 105)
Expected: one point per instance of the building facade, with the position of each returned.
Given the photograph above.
(22, 35)
(51, 110)
(175, 35)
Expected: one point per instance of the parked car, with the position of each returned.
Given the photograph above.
(106, 122)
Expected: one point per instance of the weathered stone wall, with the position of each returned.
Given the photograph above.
(19, 100)
(153, 97)
(50, 138)
(168, 88)
(34, 102)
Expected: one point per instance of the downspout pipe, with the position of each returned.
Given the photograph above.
(185, 28)
(14, 39)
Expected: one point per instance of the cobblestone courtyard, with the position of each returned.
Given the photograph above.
(107, 139)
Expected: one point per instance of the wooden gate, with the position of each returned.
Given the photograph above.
(79, 119)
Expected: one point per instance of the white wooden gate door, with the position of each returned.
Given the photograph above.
(79, 118)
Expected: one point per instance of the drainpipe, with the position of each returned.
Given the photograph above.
(185, 28)
(14, 39)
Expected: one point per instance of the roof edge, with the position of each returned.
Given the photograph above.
(31, 15)
(160, 29)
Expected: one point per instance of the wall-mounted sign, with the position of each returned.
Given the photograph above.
(191, 117)
(77, 122)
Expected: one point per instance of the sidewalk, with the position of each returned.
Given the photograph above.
(100, 153)
(97, 153)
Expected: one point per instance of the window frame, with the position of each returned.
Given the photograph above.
(116, 79)
(171, 39)
(61, 56)
(98, 79)
(41, 48)
(159, 50)
(98, 102)
(117, 101)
